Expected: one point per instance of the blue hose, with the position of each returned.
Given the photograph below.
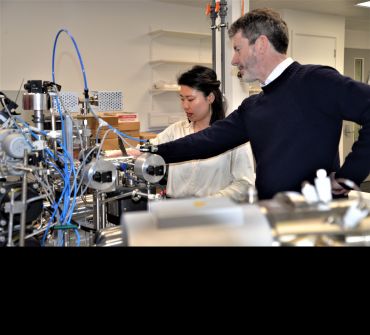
(78, 53)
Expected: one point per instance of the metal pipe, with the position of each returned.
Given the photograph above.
(117, 197)
(213, 16)
(22, 232)
(103, 211)
(223, 13)
(41, 197)
(97, 210)
(69, 134)
(11, 218)
(53, 128)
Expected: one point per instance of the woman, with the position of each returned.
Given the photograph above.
(229, 174)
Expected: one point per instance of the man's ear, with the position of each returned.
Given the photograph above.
(262, 43)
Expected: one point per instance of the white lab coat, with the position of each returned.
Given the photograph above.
(228, 174)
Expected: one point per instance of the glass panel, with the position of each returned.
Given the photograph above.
(359, 69)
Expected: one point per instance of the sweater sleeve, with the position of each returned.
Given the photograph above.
(347, 99)
(223, 135)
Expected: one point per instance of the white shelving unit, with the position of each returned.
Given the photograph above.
(180, 34)
(171, 53)
(177, 62)
(156, 91)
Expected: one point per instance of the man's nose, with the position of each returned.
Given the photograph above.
(235, 60)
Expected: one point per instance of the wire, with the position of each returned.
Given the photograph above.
(115, 130)
(78, 53)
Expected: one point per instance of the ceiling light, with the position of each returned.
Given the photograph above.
(364, 4)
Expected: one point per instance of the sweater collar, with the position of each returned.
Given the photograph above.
(282, 76)
(278, 71)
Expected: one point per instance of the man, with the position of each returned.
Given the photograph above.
(294, 125)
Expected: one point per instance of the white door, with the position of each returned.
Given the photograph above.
(314, 49)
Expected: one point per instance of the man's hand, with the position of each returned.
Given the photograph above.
(336, 188)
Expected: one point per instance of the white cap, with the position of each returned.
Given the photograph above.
(321, 173)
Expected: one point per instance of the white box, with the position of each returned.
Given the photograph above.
(177, 213)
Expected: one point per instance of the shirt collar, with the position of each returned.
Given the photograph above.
(278, 71)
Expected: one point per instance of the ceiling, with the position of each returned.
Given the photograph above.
(357, 18)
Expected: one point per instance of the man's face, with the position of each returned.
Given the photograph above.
(245, 57)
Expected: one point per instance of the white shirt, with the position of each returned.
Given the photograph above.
(228, 174)
(278, 71)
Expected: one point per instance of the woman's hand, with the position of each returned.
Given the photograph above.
(133, 152)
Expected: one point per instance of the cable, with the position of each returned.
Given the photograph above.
(115, 130)
(78, 53)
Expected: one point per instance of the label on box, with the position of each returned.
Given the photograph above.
(134, 117)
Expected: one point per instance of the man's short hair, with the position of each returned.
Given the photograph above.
(263, 22)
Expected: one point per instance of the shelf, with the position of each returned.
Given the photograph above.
(170, 52)
(156, 91)
(183, 34)
(178, 62)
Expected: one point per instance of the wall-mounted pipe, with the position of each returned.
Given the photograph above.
(213, 15)
(223, 26)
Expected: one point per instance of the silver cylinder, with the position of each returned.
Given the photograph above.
(100, 175)
(35, 102)
(146, 165)
(69, 134)
(38, 103)
(15, 145)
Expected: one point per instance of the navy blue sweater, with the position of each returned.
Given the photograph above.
(294, 127)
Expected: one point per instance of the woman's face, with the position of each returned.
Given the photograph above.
(195, 104)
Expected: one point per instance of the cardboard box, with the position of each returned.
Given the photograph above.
(114, 119)
(147, 135)
(131, 128)
(124, 126)
(110, 144)
(102, 132)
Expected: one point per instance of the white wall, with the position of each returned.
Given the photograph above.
(357, 39)
(235, 90)
(320, 25)
(112, 37)
(1, 35)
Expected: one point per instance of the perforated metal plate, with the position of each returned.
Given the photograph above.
(109, 101)
(70, 101)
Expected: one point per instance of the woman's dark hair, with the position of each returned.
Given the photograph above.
(204, 79)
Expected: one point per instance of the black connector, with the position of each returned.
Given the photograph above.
(37, 86)
(34, 86)
(103, 177)
(155, 170)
